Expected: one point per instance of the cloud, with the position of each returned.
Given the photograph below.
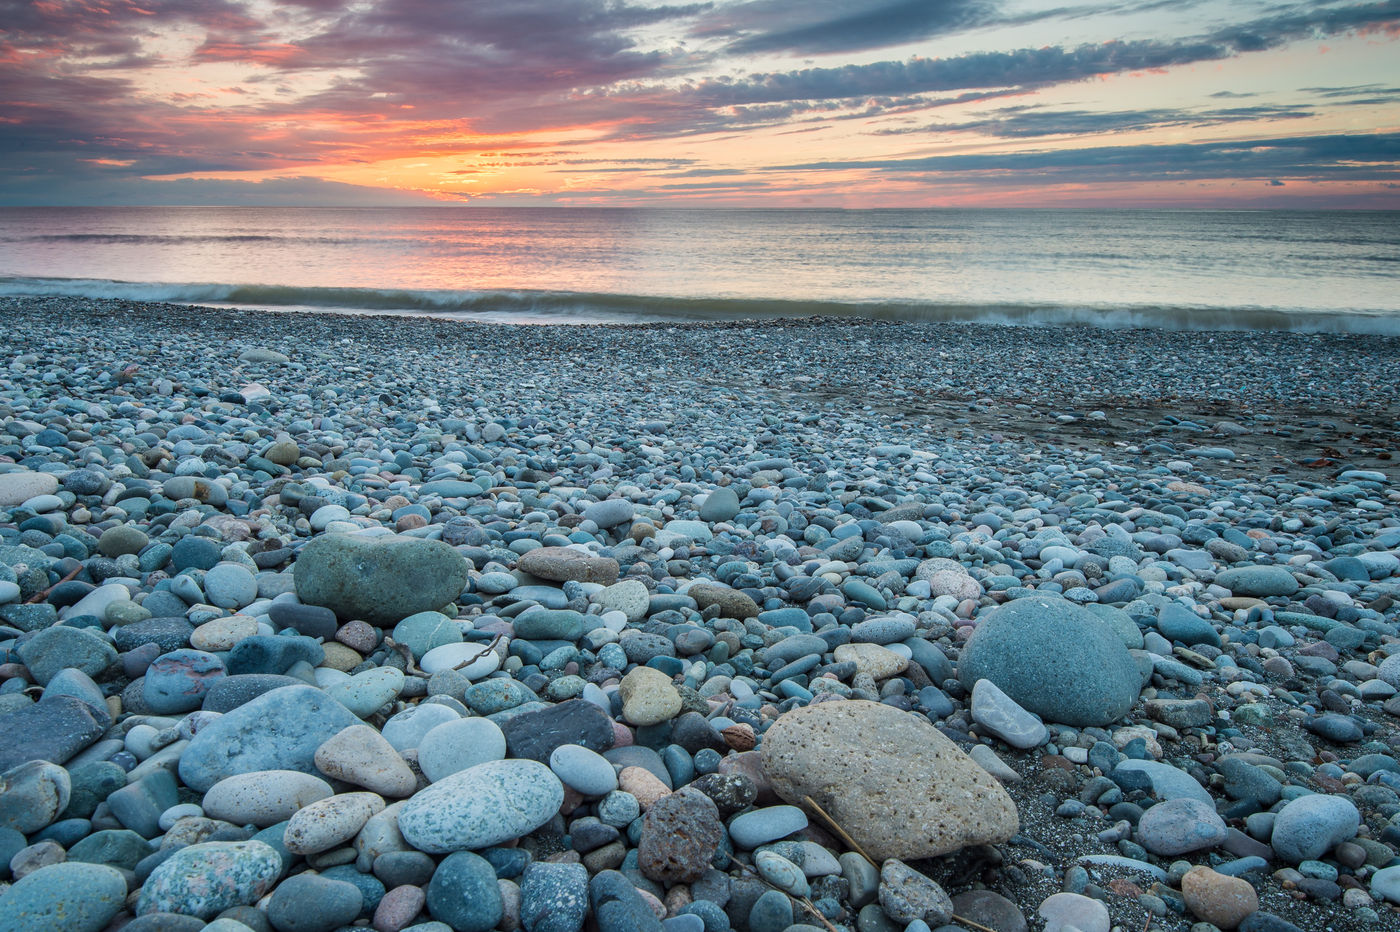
(1038, 67)
(96, 188)
(1358, 157)
(816, 26)
(1032, 121)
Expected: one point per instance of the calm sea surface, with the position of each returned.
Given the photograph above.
(1305, 270)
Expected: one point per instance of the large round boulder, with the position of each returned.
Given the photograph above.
(1055, 659)
(381, 580)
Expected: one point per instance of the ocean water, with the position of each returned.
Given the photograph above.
(1283, 270)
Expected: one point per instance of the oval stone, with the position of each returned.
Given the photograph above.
(481, 806)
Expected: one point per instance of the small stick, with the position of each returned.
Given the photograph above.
(839, 830)
(40, 596)
(813, 910)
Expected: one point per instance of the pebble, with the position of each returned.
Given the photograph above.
(1220, 900)
(481, 806)
(744, 589)
(205, 879)
(889, 778)
(999, 714)
(454, 746)
(579, 768)
(1054, 659)
(70, 896)
(1308, 827)
(1179, 826)
(264, 797)
(1063, 912)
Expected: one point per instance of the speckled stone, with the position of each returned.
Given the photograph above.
(481, 806)
(897, 784)
(553, 897)
(205, 879)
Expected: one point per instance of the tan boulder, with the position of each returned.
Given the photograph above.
(889, 778)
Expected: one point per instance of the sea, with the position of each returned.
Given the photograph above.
(1317, 271)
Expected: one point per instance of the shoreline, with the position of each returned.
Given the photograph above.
(897, 487)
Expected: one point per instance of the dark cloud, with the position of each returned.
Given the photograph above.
(1039, 67)
(94, 185)
(1027, 122)
(1358, 157)
(815, 26)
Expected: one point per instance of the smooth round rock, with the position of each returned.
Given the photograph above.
(71, 896)
(328, 822)
(379, 580)
(481, 806)
(32, 795)
(408, 729)
(1055, 659)
(368, 691)
(648, 697)
(230, 585)
(263, 798)
(1308, 827)
(177, 682)
(473, 661)
(360, 755)
(310, 903)
(60, 647)
(1179, 826)
(464, 893)
(760, 826)
(1222, 901)
(457, 745)
(554, 897)
(587, 772)
(1063, 911)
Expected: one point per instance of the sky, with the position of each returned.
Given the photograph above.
(782, 103)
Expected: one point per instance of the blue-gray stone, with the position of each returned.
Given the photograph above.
(177, 682)
(1308, 827)
(370, 887)
(760, 826)
(229, 693)
(771, 912)
(47, 652)
(53, 730)
(279, 730)
(464, 894)
(312, 903)
(423, 631)
(1167, 781)
(451, 488)
(1258, 581)
(194, 552)
(205, 879)
(534, 735)
(120, 848)
(379, 580)
(1178, 623)
(1179, 826)
(618, 907)
(545, 624)
(1055, 659)
(481, 806)
(497, 695)
(72, 897)
(553, 897)
(720, 505)
(167, 633)
(273, 653)
(79, 685)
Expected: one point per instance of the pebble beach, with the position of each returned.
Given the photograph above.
(312, 622)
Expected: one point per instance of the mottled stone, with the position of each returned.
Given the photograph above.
(888, 777)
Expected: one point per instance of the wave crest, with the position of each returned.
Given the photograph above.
(528, 306)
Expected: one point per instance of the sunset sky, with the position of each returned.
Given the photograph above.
(855, 103)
